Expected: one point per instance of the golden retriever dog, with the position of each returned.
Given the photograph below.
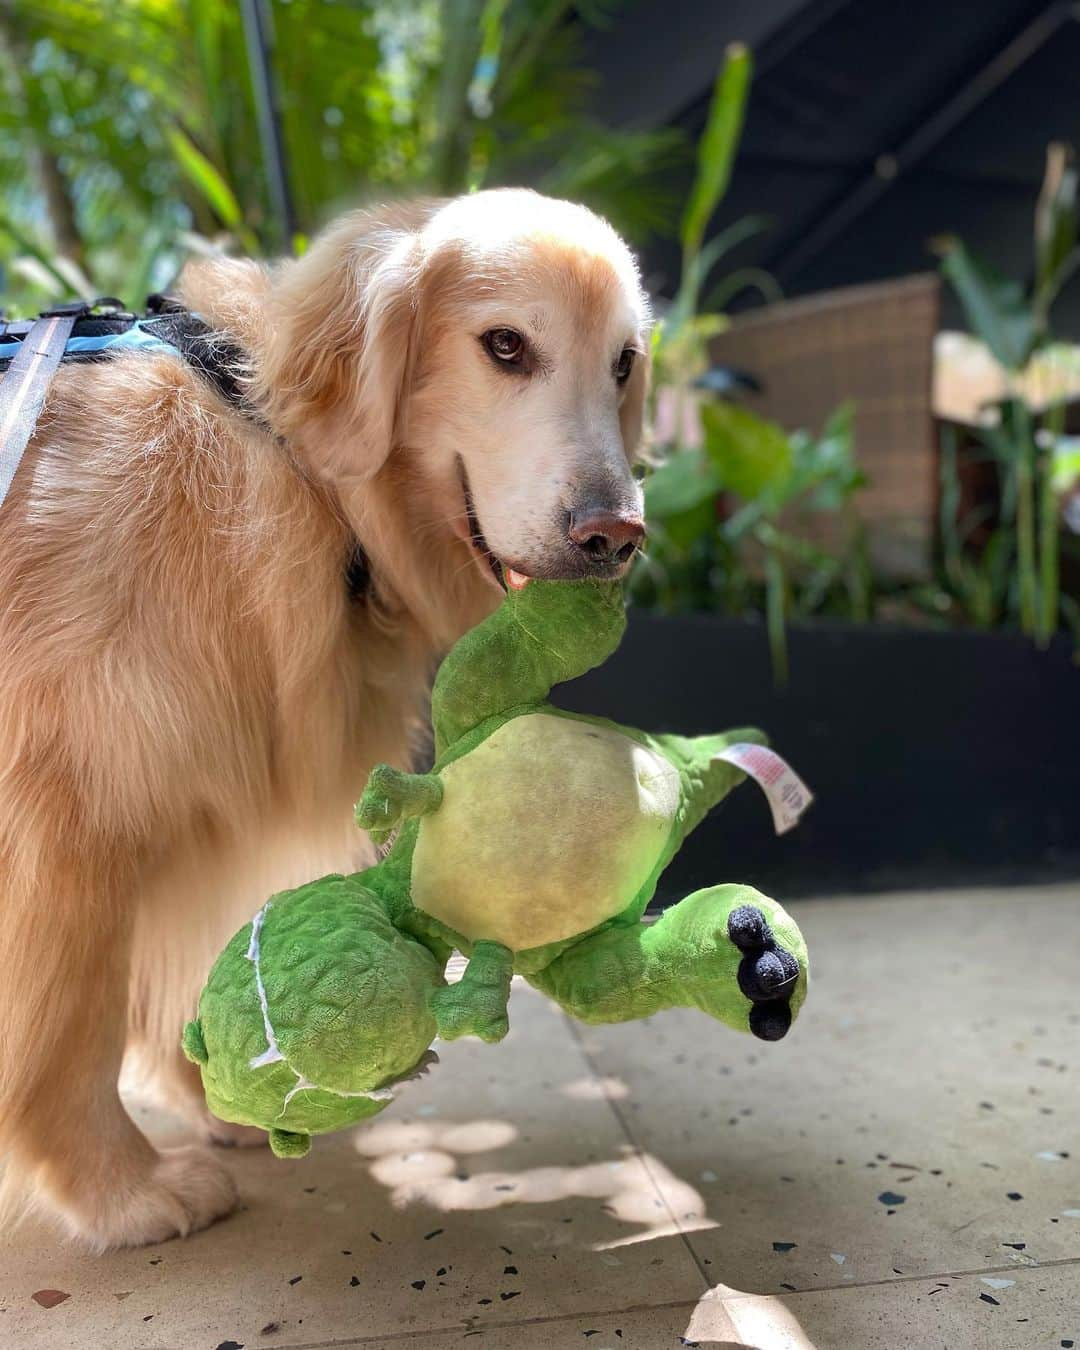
(191, 697)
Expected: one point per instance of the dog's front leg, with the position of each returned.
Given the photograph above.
(65, 934)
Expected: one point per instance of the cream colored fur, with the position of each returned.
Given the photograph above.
(189, 701)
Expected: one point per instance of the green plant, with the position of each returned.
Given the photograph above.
(729, 503)
(1016, 571)
(128, 137)
(731, 524)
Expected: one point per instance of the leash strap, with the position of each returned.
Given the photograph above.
(23, 389)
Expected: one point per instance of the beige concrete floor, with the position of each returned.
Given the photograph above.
(902, 1171)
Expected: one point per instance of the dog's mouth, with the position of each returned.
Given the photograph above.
(468, 527)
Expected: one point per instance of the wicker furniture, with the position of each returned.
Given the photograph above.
(873, 344)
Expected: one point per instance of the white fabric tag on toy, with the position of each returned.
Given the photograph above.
(787, 793)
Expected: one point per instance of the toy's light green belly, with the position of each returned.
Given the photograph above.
(546, 829)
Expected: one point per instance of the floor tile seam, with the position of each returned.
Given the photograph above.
(427, 1333)
(508, 1324)
(910, 1279)
(639, 1152)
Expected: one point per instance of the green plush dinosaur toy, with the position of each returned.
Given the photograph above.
(533, 845)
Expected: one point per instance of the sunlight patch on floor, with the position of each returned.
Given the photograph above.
(419, 1163)
(759, 1323)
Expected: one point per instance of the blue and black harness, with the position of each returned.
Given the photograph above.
(31, 351)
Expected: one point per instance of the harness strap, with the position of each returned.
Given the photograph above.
(224, 364)
(24, 387)
(46, 340)
(218, 360)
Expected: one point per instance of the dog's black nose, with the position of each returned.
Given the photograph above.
(606, 537)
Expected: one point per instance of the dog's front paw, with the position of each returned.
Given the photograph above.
(186, 1189)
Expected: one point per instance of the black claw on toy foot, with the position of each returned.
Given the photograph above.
(767, 973)
(770, 1021)
(748, 930)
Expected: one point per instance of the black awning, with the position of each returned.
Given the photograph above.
(873, 125)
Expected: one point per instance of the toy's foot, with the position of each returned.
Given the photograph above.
(289, 1143)
(461, 1013)
(476, 1005)
(714, 951)
(768, 972)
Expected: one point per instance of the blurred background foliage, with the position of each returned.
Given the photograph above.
(731, 496)
(129, 136)
(130, 140)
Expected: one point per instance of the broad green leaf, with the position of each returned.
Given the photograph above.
(698, 521)
(206, 178)
(825, 469)
(682, 482)
(995, 307)
(716, 151)
(750, 455)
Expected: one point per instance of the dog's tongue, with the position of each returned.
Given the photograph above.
(516, 581)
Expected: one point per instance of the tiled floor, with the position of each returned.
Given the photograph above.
(902, 1171)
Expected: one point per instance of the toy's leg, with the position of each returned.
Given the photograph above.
(476, 1005)
(729, 951)
(392, 797)
(315, 1011)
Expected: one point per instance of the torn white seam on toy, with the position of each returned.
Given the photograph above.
(376, 1094)
(272, 1054)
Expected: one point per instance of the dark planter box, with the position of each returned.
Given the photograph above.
(937, 758)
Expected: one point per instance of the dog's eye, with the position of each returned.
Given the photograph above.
(505, 345)
(625, 364)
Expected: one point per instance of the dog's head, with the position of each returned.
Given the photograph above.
(499, 342)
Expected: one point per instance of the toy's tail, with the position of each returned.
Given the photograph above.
(707, 778)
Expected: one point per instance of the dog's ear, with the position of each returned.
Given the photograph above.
(632, 408)
(339, 360)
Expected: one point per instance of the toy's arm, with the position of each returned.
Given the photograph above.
(541, 635)
(392, 797)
